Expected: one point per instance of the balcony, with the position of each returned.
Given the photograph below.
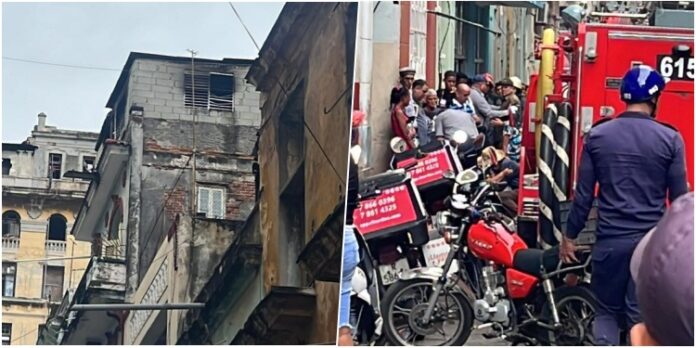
(112, 159)
(42, 186)
(10, 244)
(55, 247)
(104, 281)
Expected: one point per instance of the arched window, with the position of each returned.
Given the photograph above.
(57, 225)
(11, 223)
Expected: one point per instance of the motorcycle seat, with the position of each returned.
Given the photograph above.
(530, 260)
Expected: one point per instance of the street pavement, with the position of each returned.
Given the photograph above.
(477, 339)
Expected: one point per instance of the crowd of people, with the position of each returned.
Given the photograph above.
(488, 112)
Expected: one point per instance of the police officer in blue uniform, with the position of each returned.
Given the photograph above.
(638, 163)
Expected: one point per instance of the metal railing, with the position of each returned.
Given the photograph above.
(10, 243)
(55, 246)
(108, 248)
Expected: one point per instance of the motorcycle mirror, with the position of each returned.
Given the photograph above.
(398, 145)
(355, 152)
(466, 177)
(460, 137)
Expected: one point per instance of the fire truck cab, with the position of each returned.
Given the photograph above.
(589, 63)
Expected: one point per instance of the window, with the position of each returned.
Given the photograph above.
(6, 334)
(57, 224)
(6, 166)
(9, 274)
(10, 224)
(211, 202)
(418, 34)
(53, 283)
(209, 90)
(87, 164)
(55, 165)
(221, 92)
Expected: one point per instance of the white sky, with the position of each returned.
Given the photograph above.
(102, 35)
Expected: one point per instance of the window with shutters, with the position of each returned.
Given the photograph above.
(6, 334)
(9, 274)
(214, 91)
(53, 283)
(211, 202)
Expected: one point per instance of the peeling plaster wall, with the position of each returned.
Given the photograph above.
(318, 70)
(162, 141)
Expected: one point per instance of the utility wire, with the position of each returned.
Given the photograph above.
(25, 335)
(60, 65)
(311, 133)
(244, 25)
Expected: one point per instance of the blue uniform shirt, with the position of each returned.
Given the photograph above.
(636, 161)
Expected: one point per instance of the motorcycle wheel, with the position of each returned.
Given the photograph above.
(403, 307)
(577, 306)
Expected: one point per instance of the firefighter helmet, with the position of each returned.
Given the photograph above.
(641, 84)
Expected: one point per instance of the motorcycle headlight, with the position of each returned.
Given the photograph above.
(441, 220)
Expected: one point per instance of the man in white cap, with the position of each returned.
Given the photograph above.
(406, 77)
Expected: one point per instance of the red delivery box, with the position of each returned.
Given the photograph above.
(393, 206)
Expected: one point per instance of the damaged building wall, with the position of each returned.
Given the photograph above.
(224, 143)
(307, 98)
(160, 179)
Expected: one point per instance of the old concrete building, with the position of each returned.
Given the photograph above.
(278, 283)
(174, 182)
(40, 199)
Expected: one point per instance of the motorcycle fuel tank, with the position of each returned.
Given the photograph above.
(492, 242)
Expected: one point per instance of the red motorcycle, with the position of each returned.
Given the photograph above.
(526, 296)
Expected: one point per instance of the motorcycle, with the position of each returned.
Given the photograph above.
(520, 293)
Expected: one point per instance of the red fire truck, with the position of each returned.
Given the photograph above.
(586, 67)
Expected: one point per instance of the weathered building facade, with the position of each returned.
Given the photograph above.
(40, 199)
(278, 283)
(174, 183)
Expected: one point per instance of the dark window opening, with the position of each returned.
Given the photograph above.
(221, 92)
(11, 223)
(6, 334)
(9, 274)
(6, 166)
(53, 283)
(88, 164)
(57, 225)
(55, 165)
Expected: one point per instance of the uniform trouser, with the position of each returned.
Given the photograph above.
(614, 287)
(351, 258)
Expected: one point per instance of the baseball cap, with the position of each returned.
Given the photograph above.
(506, 82)
(488, 78)
(662, 267)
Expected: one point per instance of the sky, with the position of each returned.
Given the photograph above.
(101, 35)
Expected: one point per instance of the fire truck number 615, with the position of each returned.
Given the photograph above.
(676, 68)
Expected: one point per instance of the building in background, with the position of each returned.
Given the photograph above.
(172, 187)
(41, 195)
(279, 283)
(433, 37)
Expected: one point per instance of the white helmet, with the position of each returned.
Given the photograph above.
(516, 82)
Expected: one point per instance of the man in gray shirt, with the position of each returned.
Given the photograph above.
(455, 119)
(491, 117)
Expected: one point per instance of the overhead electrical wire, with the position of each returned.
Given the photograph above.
(58, 64)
